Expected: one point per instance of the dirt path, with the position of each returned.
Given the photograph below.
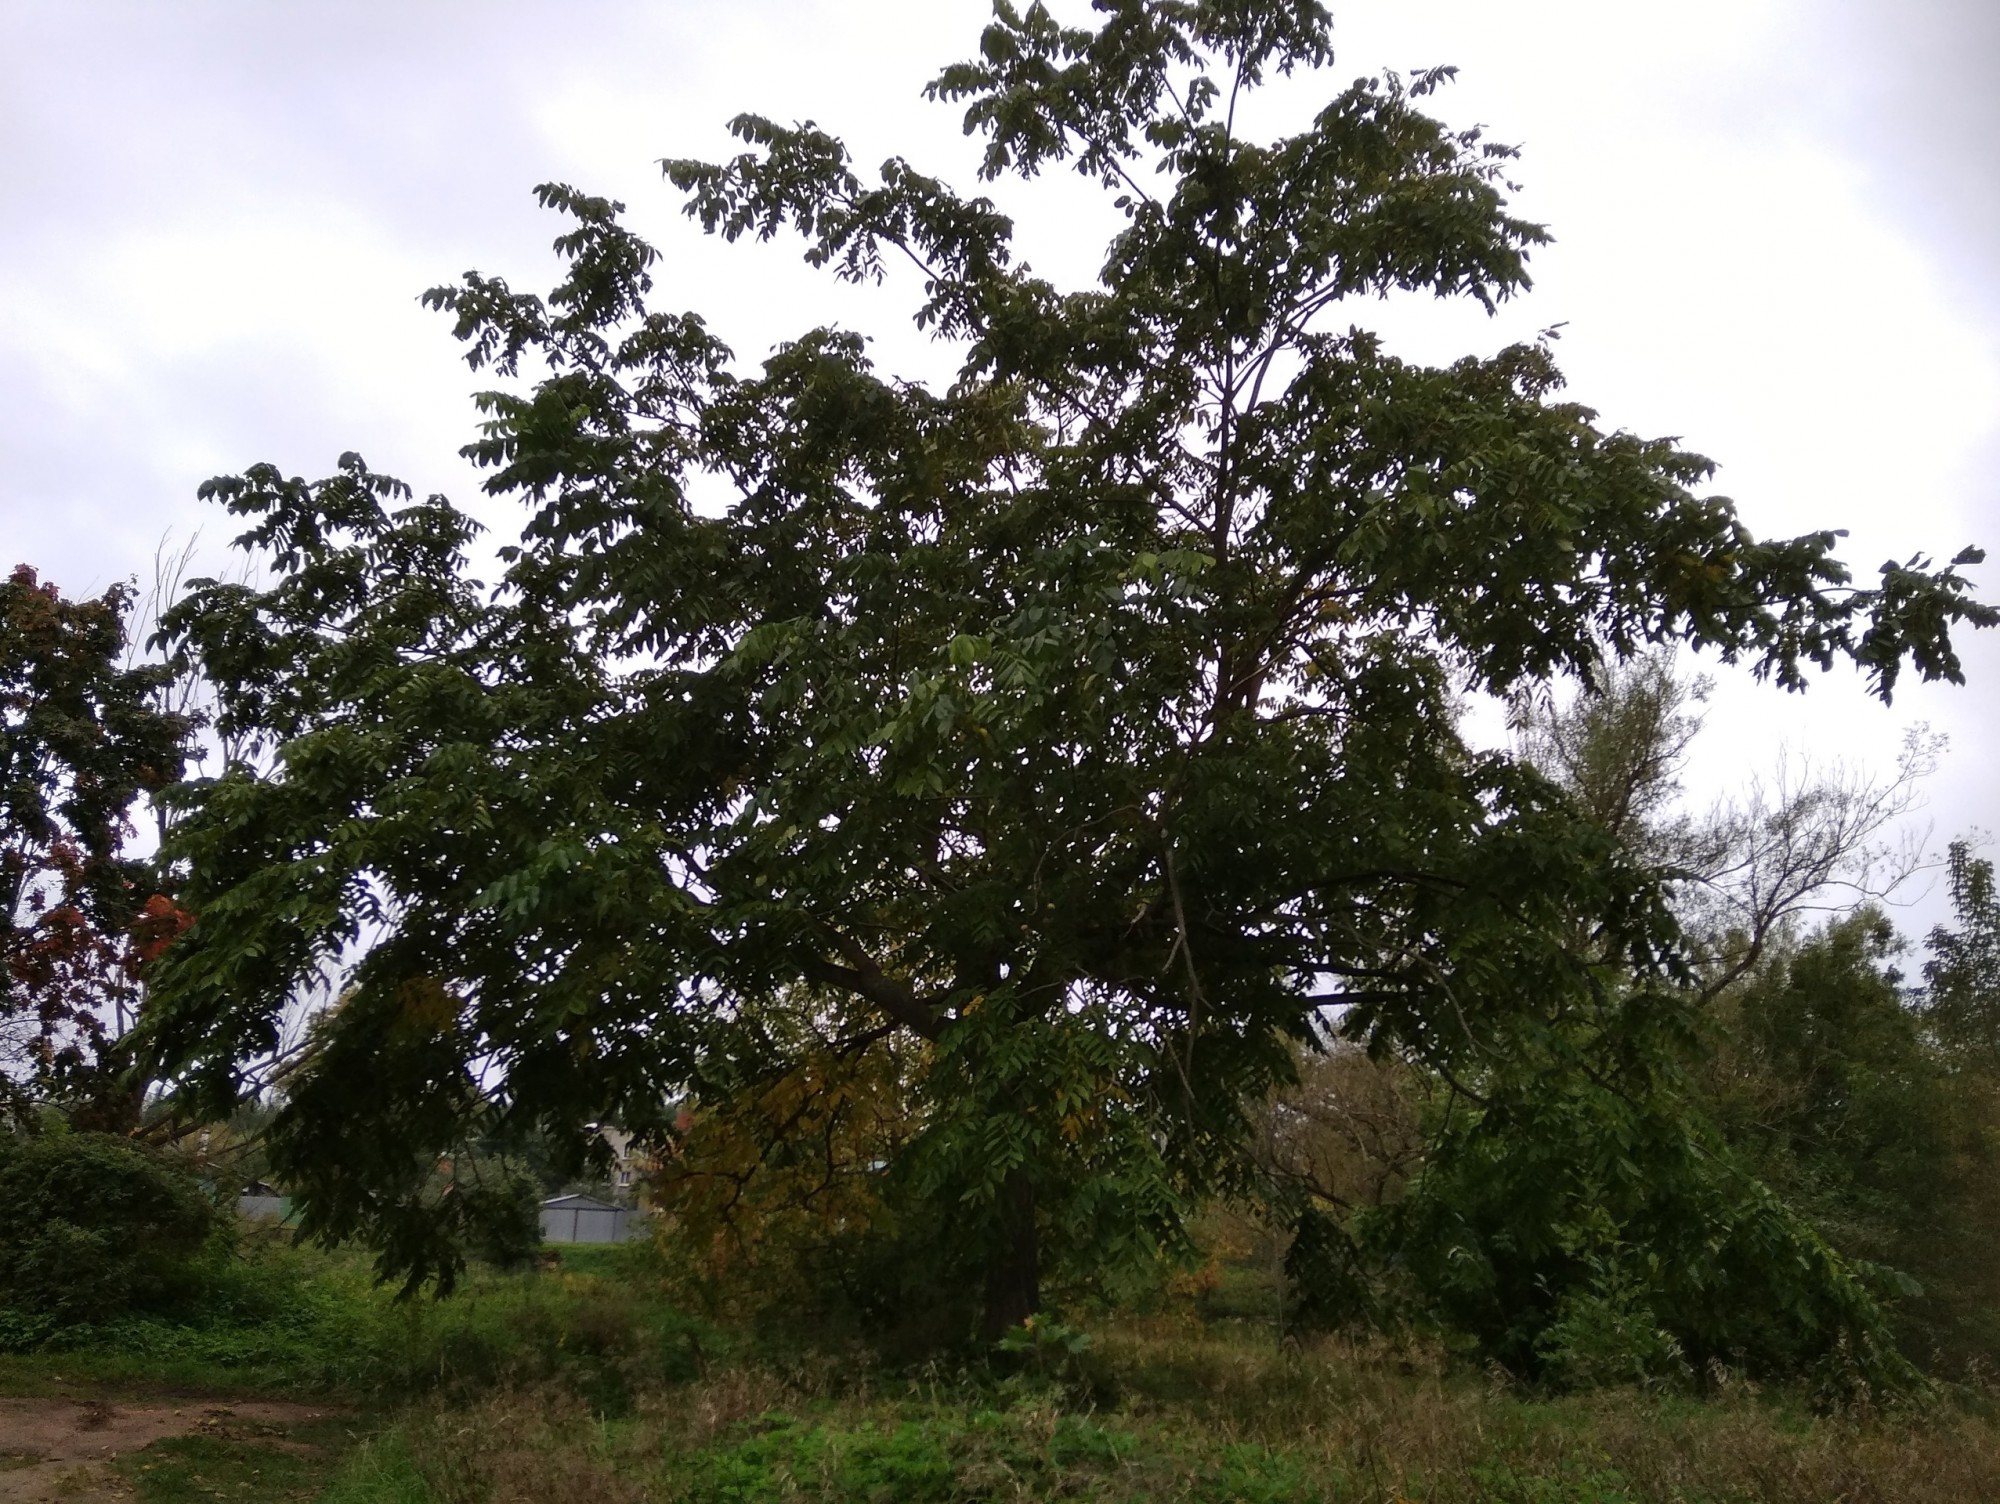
(56, 1449)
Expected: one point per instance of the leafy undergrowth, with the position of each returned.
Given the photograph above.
(1199, 1417)
(290, 1322)
(581, 1382)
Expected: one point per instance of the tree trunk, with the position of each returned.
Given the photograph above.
(1013, 1268)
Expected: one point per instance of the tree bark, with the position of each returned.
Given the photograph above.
(1013, 1267)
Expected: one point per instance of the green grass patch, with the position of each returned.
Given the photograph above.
(187, 1469)
(383, 1470)
(1330, 1425)
(262, 1463)
(283, 1321)
(925, 1459)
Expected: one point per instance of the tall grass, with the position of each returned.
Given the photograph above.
(582, 1382)
(1198, 1416)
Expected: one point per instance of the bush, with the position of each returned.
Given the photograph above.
(1607, 1332)
(503, 1213)
(91, 1226)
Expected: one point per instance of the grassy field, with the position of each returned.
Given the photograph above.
(1207, 1418)
(581, 1382)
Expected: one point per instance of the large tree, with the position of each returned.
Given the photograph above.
(1090, 719)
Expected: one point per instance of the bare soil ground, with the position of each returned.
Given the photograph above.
(54, 1449)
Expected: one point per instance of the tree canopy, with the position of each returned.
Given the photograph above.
(1089, 720)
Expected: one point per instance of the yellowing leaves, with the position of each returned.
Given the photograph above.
(780, 1167)
(425, 1009)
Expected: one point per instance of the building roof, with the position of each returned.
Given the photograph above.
(580, 1203)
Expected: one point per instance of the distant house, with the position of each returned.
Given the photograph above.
(579, 1218)
(630, 1165)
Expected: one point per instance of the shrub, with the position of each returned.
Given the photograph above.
(504, 1215)
(93, 1226)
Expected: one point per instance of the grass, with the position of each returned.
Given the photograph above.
(383, 1470)
(290, 1464)
(582, 1382)
(189, 1468)
(1193, 1413)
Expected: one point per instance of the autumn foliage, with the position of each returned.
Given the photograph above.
(82, 741)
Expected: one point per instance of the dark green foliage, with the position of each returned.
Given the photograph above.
(1960, 1017)
(1090, 720)
(906, 1287)
(506, 1215)
(1327, 1281)
(1961, 1005)
(93, 1226)
(1582, 1234)
(1840, 1096)
(1729, 1167)
(1875, 1111)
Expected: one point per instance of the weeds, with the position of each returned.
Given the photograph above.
(293, 1321)
(1203, 1418)
(581, 1382)
(184, 1469)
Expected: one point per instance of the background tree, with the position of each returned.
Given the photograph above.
(1846, 1104)
(1091, 719)
(1962, 998)
(1959, 1012)
(1803, 839)
(84, 738)
(1821, 1110)
(1617, 747)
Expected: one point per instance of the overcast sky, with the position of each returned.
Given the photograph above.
(1777, 222)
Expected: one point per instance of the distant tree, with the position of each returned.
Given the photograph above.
(1959, 1013)
(1802, 839)
(1962, 998)
(1821, 1074)
(1831, 1075)
(1617, 747)
(1090, 721)
(84, 741)
(1788, 1100)
(1349, 1132)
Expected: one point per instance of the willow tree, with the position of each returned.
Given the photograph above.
(1088, 720)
